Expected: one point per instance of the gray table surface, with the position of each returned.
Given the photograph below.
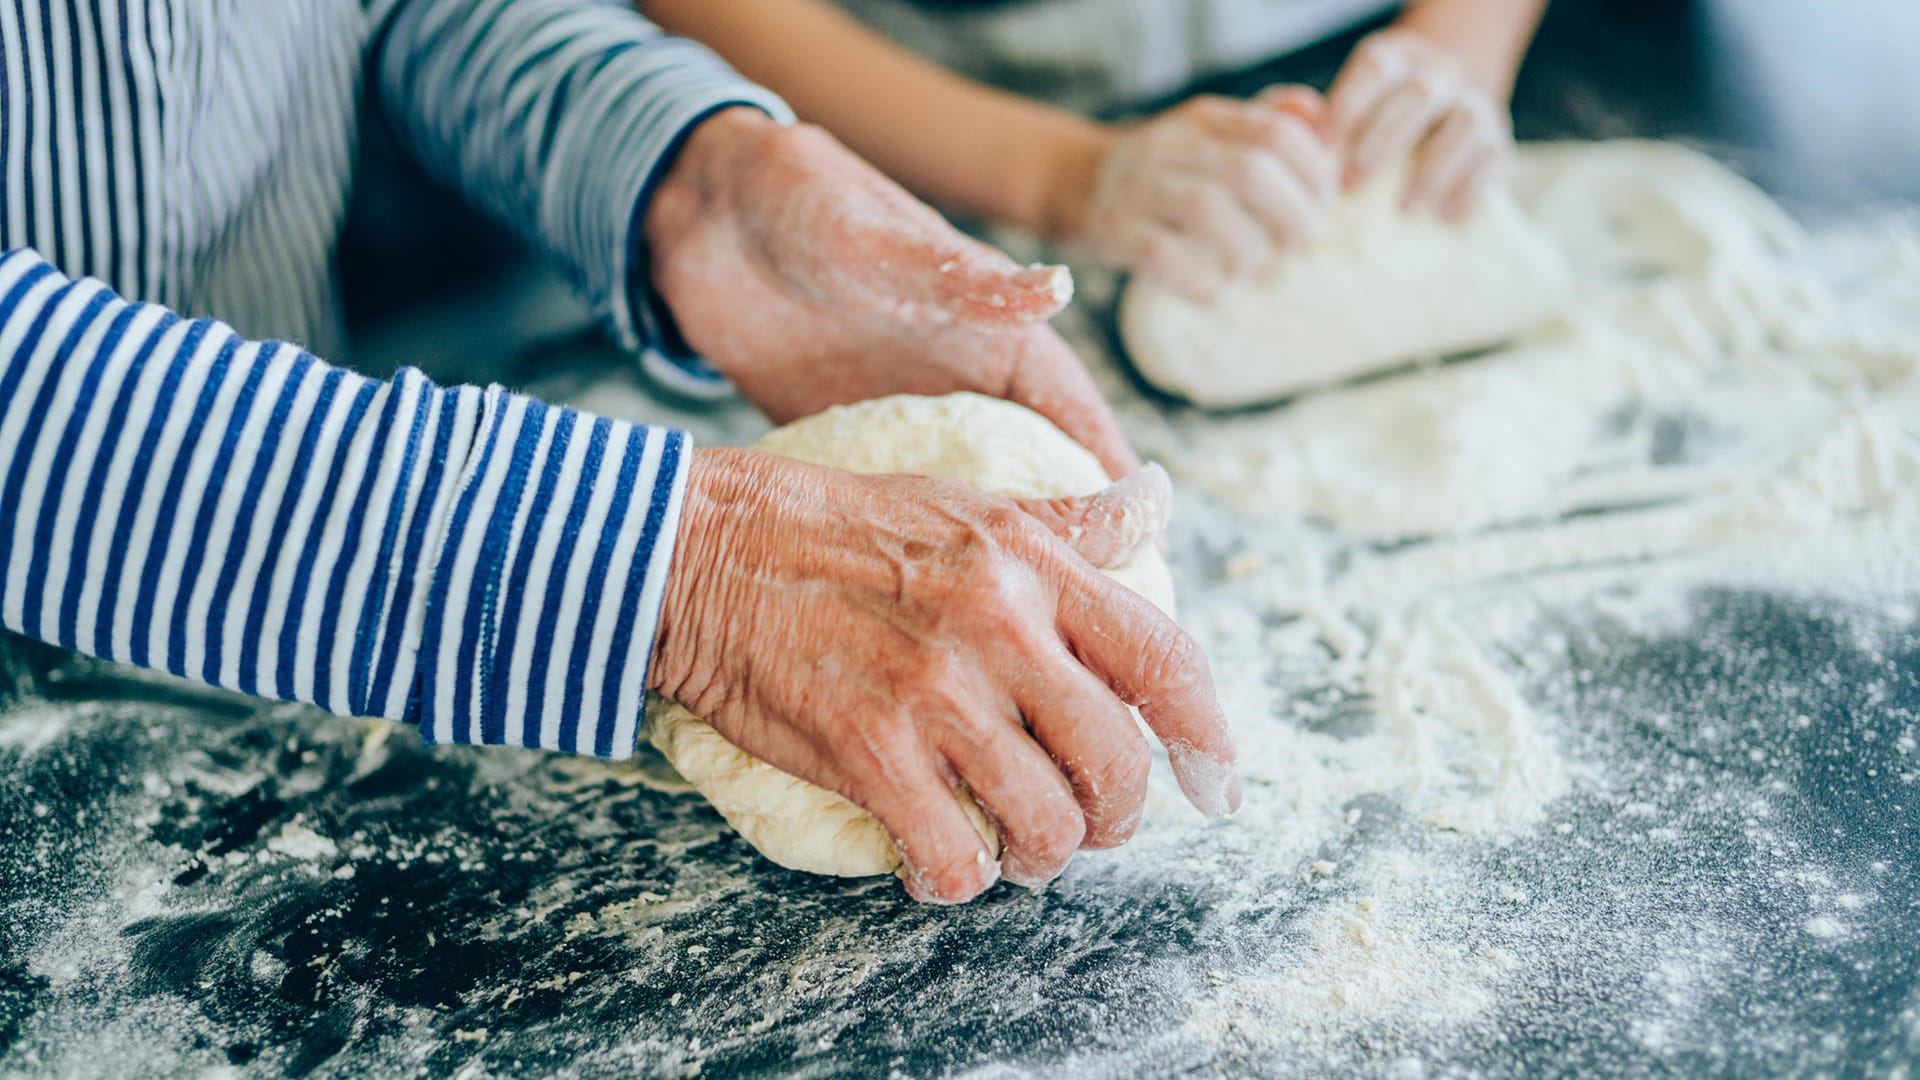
(517, 913)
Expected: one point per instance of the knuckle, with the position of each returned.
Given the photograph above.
(1130, 766)
(1174, 660)
(1246, 171)
(1053, 836)
(1120, 776)
(1160, 251)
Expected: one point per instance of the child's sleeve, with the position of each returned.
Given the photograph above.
(475, 562)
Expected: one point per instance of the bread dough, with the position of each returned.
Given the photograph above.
(1376, 289)
(989, 444)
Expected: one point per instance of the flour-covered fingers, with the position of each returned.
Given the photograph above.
(1286, 204)
(1151, 663)
(1292, 141)
(1178, 261)
(1110, 526)
(1050, 379)
(1208, 216)
(1373, 72)
(1458, 204)
(1024, 795)
(1092, 736)
(1449, 155)
(945, 859)
(1393, 128)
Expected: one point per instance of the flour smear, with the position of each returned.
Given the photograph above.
(1390, 577)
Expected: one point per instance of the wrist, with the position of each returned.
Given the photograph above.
(709, 158)
(721, 483)
(1488, 41)
(1071, 167)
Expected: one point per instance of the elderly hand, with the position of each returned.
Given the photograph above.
(811, 280)
(888, 636)
(1206, 191)
(1402, 93)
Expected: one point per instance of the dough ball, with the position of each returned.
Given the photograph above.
(992, 445)
(1376, 289)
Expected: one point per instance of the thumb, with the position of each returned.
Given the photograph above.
(1110, 526)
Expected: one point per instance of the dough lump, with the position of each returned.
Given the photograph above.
(1377, 288)
(992, 445)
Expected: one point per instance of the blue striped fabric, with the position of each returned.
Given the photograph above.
(175, 495)
(240, 513)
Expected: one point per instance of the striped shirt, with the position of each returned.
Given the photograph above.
(180, 489)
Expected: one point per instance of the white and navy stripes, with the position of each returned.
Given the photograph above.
(235, 511)
(175, 496)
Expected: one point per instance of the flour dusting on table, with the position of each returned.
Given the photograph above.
(1575, 689)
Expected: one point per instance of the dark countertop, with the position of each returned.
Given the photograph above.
(165, 907)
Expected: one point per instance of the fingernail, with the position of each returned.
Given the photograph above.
(1211, 785)
(1056, 281)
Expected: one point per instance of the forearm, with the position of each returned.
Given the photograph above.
(240, 513)
(954, 142)
(1489, 36)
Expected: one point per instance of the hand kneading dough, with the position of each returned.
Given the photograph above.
(1375, 289)
(989, 444)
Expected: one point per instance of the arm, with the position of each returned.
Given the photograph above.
(495, 570)
(955, 142)
(1489, 36)
(768, 250)
(1196, 195)
(470, 561)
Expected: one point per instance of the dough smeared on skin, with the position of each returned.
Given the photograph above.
(1376, 289)
(991, 445)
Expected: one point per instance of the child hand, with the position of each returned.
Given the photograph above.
(1403, 93)
(1206, 191)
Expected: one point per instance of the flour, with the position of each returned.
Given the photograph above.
(1376, 289)
(991, 445)
(1600, 759)
(1733, 403)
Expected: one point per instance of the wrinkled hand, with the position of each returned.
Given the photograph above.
(1399, 94)
(1206, 191)
(811, 280)
(887, 637)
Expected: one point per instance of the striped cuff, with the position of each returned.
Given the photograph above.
(545, 603)
(640, 317)
(172, 495)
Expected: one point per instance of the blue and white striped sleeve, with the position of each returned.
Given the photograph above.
(559, 116)
(475, 562)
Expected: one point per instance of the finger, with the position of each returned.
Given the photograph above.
(1466, 195)
(1283, 202)
(1391, 130)
(1153, 664)
(1445, 158)
(944, 859)
(1277, 165)
(1091, 735)
(1180, 262)
(1301, 102)
(1204, 212)
(890, 253)
(1111, 526)
(1022, 791)
(989, 290)
(1287, 137)
(1370, 74)
(1050, 380)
